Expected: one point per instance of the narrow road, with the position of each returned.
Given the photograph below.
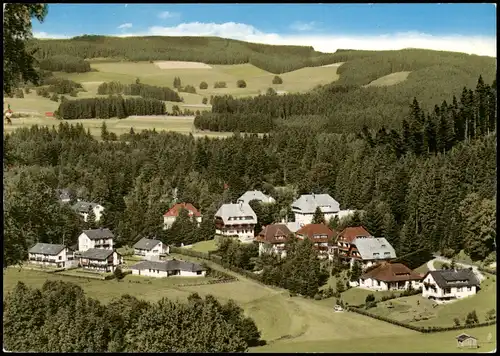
(430, 266)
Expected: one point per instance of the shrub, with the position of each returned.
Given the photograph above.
(118, 273)
(241, 83)
(27, 90)
(73, 94)
(339, 286)
(491, 315)
(471, 318)
(271, 91)
(220, 85)
(457, 321)
(203, 85)
(204, 101)
(318, 296)
(370, 298)
(54, 97)
(188, 89)
(370, 305)
(277, 80)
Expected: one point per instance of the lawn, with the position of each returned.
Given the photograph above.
(205, 246)
(357, 296)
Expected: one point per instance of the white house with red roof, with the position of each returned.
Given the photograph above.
(170, 216)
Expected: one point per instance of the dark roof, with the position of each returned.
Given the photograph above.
(146, 244)
(463, 337)
(270, 233)
(98, 233)
(170, 265)
(96, 254)
(47, 249)
(454, 278)
(392, 272)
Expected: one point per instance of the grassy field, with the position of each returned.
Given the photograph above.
(287, 324)
(390, 79)
(205, 246)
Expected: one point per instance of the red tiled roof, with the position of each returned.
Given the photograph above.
(392, 272)
(314, 231)
(270, 234)
(350, 233)
(174, 211)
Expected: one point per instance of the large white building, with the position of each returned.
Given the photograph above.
(167, 269)
(305, 206)
(256, 195)
(95, 238)
(449, 284)
(101, 260)
(390, 276)
(50, 255)
(236, 220)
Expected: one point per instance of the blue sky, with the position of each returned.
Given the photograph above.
(467, 28)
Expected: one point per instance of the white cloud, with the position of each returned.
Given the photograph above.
(45, 35)
(168, 15)
(303, 26)
(126, 5)
(480, 45)
(125, 26)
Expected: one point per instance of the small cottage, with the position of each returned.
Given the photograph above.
(467, 341)
(168, 268)
(100, 260)
(150, 248)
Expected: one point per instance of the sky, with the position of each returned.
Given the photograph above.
(469, 28)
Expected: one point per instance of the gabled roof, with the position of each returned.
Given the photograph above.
(170, 265)
(463, 337)
(255, 195)
(293, 226)
(349, 234)
(307, 204)
(316, 232)
(83, 206)
(392, 272)
(98, 233)
(174, 211)
(240, 210)
(454, 278)
(47, 249)
(97, 254)
(374, 248)
(270, 233)
(146, 244)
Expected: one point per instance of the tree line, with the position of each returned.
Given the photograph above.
(64, 63)
(67, 320)
(144, 90)
(234, 122)
(106, 108)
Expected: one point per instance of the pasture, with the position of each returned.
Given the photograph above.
(390, 79)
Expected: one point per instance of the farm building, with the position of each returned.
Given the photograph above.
(170, 216)
(167, 269)
(236, 220)
(449, 284)
(464, 340)
(150, 248)
(390, 276)
(50, 255)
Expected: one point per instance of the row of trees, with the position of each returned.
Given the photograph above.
(105, 108)
(61, 86)
(144, 90)
(234, 122)
(59, 317)
(64, 63)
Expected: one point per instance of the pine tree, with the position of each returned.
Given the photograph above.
(104, 132)
(318, 217)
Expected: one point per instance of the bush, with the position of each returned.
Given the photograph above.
(73, 94)
(328, 292)
(203, 85)
(339, 286)
(54, 97)
(19, 94)
(271, 91)
(220, 85)
(204, 101)
(241, 83)
(318, 296)
(277, 80)
(370, 305)
(457, 321)
(27, 90)
(188, 89)
(491, 315)
(471, 318)
(118, 273)
(370, 298)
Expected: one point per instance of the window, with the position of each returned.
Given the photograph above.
(469, 289)
(150, 270)
(198, 272)
(459, 289)
(447, 290)
(60, 258)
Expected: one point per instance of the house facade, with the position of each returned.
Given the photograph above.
(305, 206)
(321, 236)
(345, 240)
(170, 216)
(250, 195)
(83, 208)
(150, 248)
(100, 260)
(370, 251)
(95, 238)
(449, 284)
(168, 268)
(272, 239)
(236, 220)
(50, 255)
(390, 276)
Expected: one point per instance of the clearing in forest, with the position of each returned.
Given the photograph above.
(390, 79)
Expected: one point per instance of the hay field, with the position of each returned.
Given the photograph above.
(390, 79)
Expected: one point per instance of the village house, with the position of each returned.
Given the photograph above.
(369, 251)
(151, 248)
(170, 216)
(50, 255)
(84, 208)
(236, 220)
(449, 284)
(321, 236)
(305, 206)
(256, 195)
(272, 239)
(100, 260)
(468, 341)
(95, 238)
(168, 268)
(346, 238)
(390, 276)
(64, 195)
